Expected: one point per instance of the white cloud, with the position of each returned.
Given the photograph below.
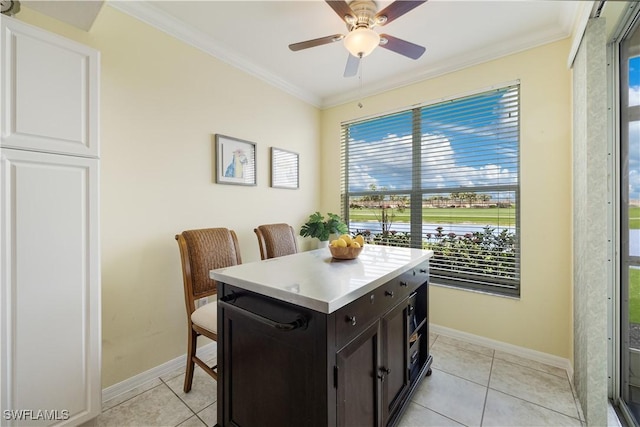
(359, 177)
(382, 159)
(387, 162)
(437, 153)
(441, 168)
(634, 160)
(634, 185)
(634, 96)
(379, 164)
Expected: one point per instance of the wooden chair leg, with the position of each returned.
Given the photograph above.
(191, 352)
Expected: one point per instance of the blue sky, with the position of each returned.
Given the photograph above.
(634, 130)
(450, 141)
(634, 72)
(459, 148)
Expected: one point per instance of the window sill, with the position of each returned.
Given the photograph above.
(477, 291)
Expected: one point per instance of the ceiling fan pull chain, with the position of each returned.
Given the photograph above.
(360, 82)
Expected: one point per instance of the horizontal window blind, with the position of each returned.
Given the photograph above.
(444, 177)
(380, 153)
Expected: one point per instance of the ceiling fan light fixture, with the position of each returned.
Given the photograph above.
(361, 41)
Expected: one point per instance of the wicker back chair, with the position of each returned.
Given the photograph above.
(200, 251)
(276, 240)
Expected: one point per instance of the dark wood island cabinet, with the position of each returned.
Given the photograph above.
(304, 340)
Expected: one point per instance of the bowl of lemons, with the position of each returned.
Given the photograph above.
(346, 247)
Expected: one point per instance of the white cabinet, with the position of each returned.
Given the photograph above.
(49, 92)
(50, 340)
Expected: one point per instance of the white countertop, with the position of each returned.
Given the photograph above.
(317, 281)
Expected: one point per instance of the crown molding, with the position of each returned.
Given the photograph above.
(580, 26)
(458, 63)
(162, 21)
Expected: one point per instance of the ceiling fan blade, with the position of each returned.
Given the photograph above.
(315, 42)
(353, 63)
(402, 47)
(396, 9)
(341, 8)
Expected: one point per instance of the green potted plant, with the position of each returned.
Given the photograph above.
(316, 226)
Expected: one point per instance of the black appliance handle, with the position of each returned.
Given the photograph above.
(299, 322)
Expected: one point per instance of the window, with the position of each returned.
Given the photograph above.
(443, 177)
(629, 215)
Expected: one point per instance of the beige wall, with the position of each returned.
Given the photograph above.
(542, 318)
(161, 103)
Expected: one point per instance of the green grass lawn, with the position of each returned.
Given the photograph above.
(634, 218)
(485, 216)
(634, 295)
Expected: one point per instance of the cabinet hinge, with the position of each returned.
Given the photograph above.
(335, 377)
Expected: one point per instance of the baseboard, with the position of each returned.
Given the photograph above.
(205, 352)
(527, 353)
(210, 350)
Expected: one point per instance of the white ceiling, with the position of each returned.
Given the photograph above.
(81, 15)
(254, 36)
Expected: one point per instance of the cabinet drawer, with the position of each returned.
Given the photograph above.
(405, 284)
(353, 318)
(414, 277)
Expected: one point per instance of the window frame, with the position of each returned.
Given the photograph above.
(416, 193)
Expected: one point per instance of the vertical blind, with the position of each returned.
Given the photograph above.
(444, 177)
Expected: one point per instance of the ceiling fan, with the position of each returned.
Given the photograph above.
(361, 16)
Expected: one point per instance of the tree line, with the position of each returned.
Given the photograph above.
(454, 199)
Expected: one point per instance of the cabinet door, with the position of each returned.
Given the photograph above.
(358, 381)
(394, 367)
(49, 91)
(270, 376)
(50, 293)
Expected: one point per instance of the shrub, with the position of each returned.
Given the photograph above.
(482, 252)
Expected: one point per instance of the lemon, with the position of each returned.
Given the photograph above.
(333, 243)
(346, 238)
(355, 244)
(359, 239)
(341, 243)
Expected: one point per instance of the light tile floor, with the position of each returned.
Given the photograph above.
(471, 385)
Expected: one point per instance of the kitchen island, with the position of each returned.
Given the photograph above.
(307, 340)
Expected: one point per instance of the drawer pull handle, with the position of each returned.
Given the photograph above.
(423, 270)
(389, 293)
(403, 283)
(300, 321)
(351, 319)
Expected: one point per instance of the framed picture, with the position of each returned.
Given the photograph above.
(235, 161)
(284, 169)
